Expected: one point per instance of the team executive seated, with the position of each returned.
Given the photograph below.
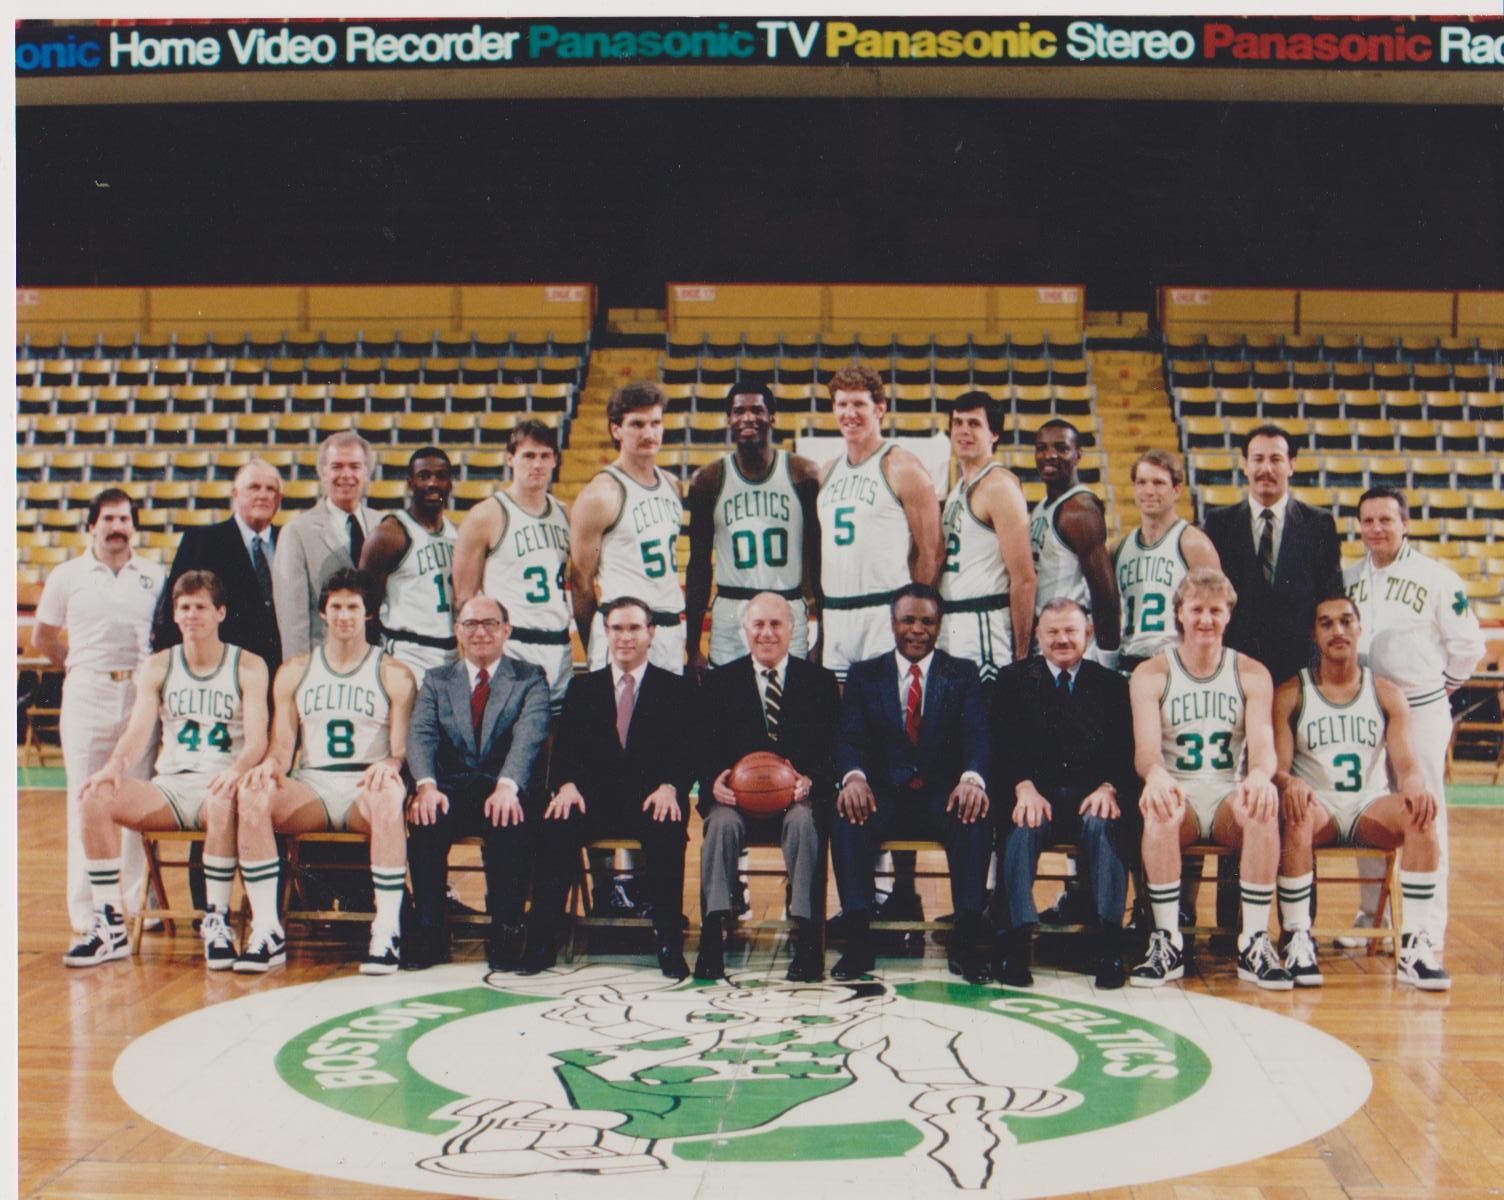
(622, 766)
(1063, 742)
(478, 726)
(912, 755)
(768, 700)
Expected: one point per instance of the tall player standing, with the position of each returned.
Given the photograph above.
(624, 531)
(987, 582)
(755, 510)
(409, 559)
(515, 549)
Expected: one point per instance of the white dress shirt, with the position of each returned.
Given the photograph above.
(779, 669)
(342, 518)
(249, 537)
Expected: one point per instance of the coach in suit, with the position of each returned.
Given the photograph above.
(912, 755)
(1282, 556)
(240, 552)
(477, 729)
(622, 766)
(1062, 734)
(320, 541)
(769, 700)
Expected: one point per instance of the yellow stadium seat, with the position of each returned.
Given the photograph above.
(386, 494)
(1466, 530)
(455, 429)
(415, 429)
(376, 428)
(63, 518)
(66, 466)
(298, 494)
(289, 429)
(1474, 473)
(1374, 435)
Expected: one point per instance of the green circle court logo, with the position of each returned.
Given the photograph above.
(534, 1087)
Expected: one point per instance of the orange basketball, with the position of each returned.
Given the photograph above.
(763, 783)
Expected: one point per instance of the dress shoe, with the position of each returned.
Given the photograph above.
(808, 963)
(426, 948)
(1072, 908)
(856, 962)
(540, 955)
(964, 958)
(1010, 961)
(671, 960)
(900, 906)
(505, 947)
(1109, 969)
(710, 962)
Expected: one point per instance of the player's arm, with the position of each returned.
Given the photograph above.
(253, 714)
(703, 486)
(1082, 526)
(283, 742)
(1458, 631)
(1257, 785)
(379, 557)
(915, 490)
(1161, 795)
(1005, 507)
(133, 742)
(599, 504)
(806, 476)
(1398, 745)
(402, 690)
(50, 643)
(1295, 794)
(1197, 550)
(483, 526)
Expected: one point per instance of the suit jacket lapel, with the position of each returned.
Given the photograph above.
(502, 683)
(889, 700)
(935, 688)
(1291, 536)
(336, 532)
(459, 700)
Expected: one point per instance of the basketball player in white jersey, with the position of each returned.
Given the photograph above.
(879, 525)
(1150, 562)
(1196, 706)
(211, 700)
(754, 510)
(1340, 731)
(1068, 535)
(987, 581)
(409, 558)
(515, 548)
(348, 704)
(624, 531)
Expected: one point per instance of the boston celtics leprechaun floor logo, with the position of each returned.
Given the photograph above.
(910, 1084)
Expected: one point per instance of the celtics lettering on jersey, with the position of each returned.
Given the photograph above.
(1201, 720)
(1339, 748)
(346, 718)
(527, 566)
(639, 552)
(1147, 577)
(759, 528)
(202, 725)
(420, 589)
(864, 532)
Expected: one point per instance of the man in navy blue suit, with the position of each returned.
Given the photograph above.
(912, 757)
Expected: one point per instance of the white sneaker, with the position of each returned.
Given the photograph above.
(1417, 964)
(1300, 959)
(105, 941)
(219, 946)
(384, 955)
(267, 948)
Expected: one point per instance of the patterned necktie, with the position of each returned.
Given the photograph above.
(262, 568)
(772, 703)
(478, 699)
(1266, 544)
(626, 700)
(357, 540)
(911, 708)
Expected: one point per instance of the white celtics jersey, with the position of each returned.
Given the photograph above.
(974, 567)
(420, 591)
(527, 566)
(759, 532)
(1201, 721)
(639, 551)
(203, 722)
(864, 533)
(1339, 748)
(346, 719)
(1147, 578)
(1057, 570)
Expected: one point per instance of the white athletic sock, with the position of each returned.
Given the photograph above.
(388, 883)
(1164, 902)
(1295, 901)
(1258, 899)
(1417, 889)
(219, 878)
(260, 879)
(104, 882)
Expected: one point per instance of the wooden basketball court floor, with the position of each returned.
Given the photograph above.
(1433, 1125)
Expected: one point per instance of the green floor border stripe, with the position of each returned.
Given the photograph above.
(41, 777)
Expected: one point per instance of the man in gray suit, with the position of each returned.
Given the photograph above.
(317, 543)
(476, 731)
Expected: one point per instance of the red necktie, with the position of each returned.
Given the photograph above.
(911, 708)
(478, 699)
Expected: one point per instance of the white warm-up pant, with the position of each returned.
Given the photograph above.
(95, 710)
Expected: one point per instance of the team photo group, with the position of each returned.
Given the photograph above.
(908, 667)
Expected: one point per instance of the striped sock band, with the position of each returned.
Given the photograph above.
(104, 882)
(1295, 900)
(1258, 899)
(388, 883)
(1418, 891)
(219, 878)
(1164, 903)
(260, 879)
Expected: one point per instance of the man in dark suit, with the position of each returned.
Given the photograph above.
(622, 766)
(769, 700)
(1063, 738)
(477, 729)
(240, 552)
(912, 755)
(1281, 556)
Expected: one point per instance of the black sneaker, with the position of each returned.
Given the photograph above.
(1417, 963)
(266, 949)
(1163, 963)
(1259, 963)
(1300, 959)
(384, 955)
(219, 947)
(105, 941)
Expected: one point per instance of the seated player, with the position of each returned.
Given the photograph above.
(211, 699)
(1333, 731)
(348, 704)
(1195, 707)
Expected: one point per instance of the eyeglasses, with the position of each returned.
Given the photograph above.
(490, 625)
